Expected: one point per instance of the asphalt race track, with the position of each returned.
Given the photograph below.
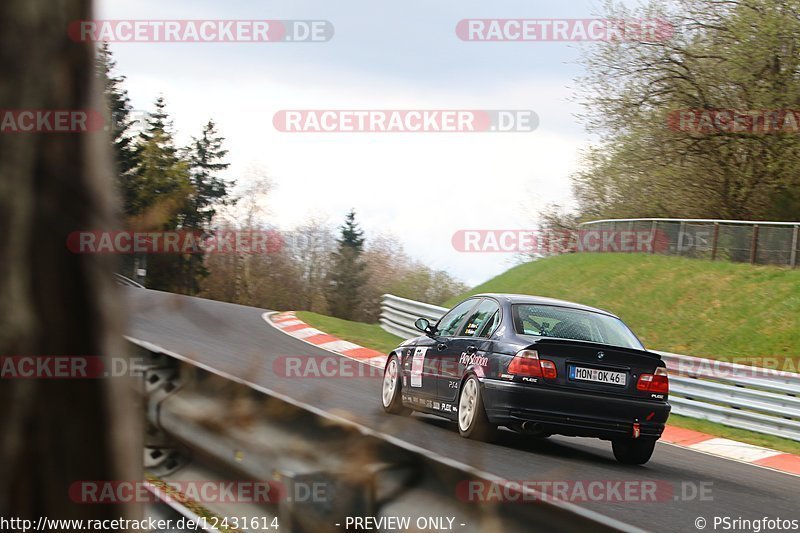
(235, 339)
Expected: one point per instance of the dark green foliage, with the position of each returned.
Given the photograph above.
(347, 275)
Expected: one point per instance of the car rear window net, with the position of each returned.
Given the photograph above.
(575, 324)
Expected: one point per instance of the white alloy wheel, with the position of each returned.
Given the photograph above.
(467, 404)
(390, 381)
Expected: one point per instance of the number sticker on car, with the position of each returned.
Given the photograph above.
(417, 362)
(598, 376)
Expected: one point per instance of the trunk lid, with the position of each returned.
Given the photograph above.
(598, 367)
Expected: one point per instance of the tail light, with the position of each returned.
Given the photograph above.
(657, 382)
(660, 381)
(527, 363)
(548, 369)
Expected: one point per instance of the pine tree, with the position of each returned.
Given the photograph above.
(118, 124)
(160, 193)
(161, 180)
(118, 119)
(206, 157)
(347, 273)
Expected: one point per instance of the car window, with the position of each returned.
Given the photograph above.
(567, 323)
(475, 325)
(491, 325)
(449, 323)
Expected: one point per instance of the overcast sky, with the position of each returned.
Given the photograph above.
(420, 187)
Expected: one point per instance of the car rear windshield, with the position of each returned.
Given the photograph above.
(577, 324)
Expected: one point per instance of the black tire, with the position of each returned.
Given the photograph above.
(633, 451)
(392, 398)
(471, 418)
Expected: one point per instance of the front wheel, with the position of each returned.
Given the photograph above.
(633, 451)
(391, 398)
(472, 420)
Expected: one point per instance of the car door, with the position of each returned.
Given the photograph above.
(469, 347)
(427, 356)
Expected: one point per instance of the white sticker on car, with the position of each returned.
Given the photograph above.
(417, 362)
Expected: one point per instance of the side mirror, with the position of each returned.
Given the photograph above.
(424, 325)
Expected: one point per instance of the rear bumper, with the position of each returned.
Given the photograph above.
(572, 413)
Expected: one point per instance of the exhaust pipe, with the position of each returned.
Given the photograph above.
(532, 427)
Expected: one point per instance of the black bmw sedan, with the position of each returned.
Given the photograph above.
(535, 365)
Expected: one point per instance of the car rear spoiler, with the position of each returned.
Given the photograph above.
(574, 342)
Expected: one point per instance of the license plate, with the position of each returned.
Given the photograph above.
(597, 376)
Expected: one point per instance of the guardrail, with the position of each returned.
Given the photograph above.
(321, 468)
(755, 242)
(127, 282)
(745, 397)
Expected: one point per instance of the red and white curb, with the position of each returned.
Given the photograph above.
(731, 449)
(290, 324)
(685, 438)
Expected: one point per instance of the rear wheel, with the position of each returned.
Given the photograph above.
(391, 397)
(472, 420)
(633, 451)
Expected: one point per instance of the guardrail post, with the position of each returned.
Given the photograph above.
(160, 378)
(793, 254)
(714, 239)
(630, 227)
(681, 233)
(653, 237)
(754, 245)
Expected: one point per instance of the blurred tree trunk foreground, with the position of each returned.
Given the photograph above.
(55, 432)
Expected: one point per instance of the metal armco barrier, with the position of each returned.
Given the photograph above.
(746, 397)
(127, 282)
(322, 468)
(399, 314)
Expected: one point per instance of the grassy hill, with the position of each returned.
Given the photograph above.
(368, 335)
(694, 307)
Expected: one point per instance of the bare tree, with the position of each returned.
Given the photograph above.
(311, 246)
(390, 270)
(729, 55)
(386, 264)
